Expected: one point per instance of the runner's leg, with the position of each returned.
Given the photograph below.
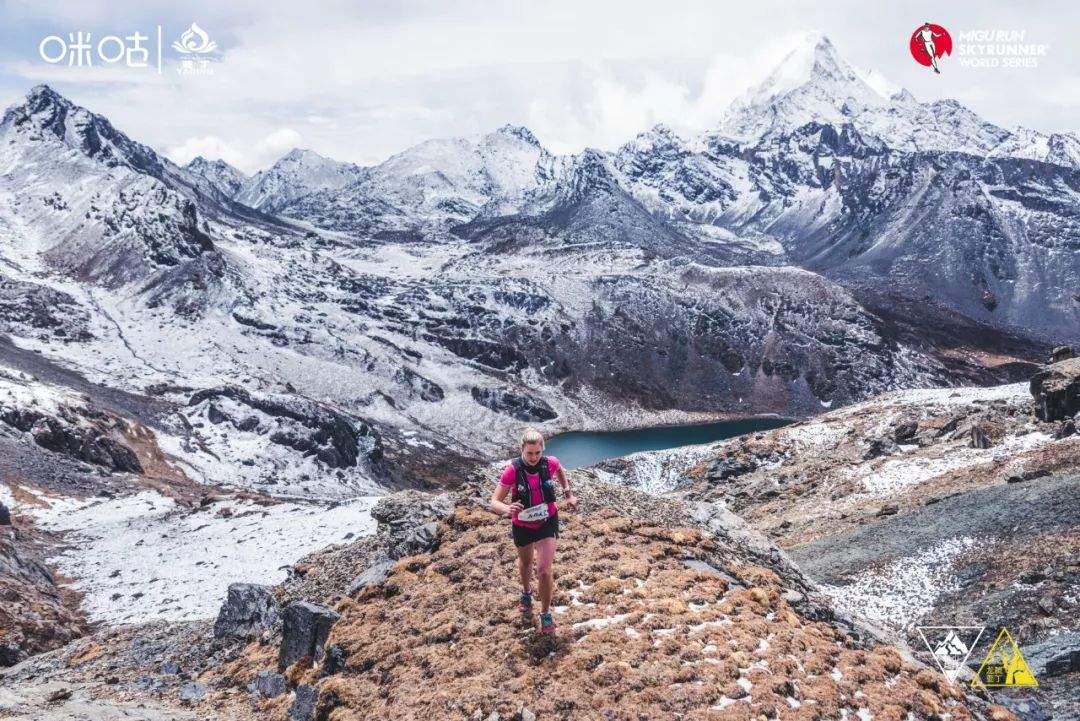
(545, 561)
(525, 560)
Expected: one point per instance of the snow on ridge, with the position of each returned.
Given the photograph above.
(142, 557)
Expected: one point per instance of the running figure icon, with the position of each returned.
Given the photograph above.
(928, 43)
(928, 35)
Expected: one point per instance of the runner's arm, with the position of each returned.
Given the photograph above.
(568, 494)
(564, 482)
(497, 504)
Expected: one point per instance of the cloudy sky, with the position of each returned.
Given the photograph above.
(363, 79)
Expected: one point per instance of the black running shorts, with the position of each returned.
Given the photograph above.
(524, 536)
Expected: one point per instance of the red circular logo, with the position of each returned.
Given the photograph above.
(928, 43)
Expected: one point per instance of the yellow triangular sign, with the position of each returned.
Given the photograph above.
(1004, 665)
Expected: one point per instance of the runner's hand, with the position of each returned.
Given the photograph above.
(571, 501)
(514, 507)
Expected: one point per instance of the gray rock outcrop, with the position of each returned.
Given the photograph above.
(249, 609)
(305, 629)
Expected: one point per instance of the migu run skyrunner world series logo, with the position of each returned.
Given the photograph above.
(928, 43)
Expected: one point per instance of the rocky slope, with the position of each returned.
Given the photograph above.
(666, 610)
(928, 507)
(37, 614)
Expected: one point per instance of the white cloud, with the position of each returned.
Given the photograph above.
(208, 146)
(247, 158)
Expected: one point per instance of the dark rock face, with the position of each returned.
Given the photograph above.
(524, 408)
(905, 431)
(337, 439)
(70, 434)
(86, 445)
(982, 436)
(5, 515)
(420, 386)
(304, 632)
(408, 521)
(249, 609)
(1056, 390)
(1056, 656)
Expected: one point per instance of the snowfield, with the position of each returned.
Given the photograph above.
(142, 557)
(900, 594)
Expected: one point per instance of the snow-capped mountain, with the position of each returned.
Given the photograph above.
(819, 153)
(433, 186)
(226, 179)
(1057, 148)
(991, 238)
(99, 206)
(131, 271)
(812, 83)
(299, 172)
(815, 84)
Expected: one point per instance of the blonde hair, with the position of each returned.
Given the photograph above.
(531, 435)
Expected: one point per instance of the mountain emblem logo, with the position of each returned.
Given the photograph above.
(928, 43)
(950, 646)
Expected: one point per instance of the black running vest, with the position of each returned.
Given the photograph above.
(521, 488)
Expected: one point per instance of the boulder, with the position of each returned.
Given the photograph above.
(5, 515)
(1066, 429)
(1056, 390)
(305, 629)
(303, 705)
(1062, 352)
(905, 431)
(334, 662)
(249, 609)
(268, 684)
(374, 575)
(878, 447)
(192, 691)
(408, 521)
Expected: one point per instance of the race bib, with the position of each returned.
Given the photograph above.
(532, 514)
